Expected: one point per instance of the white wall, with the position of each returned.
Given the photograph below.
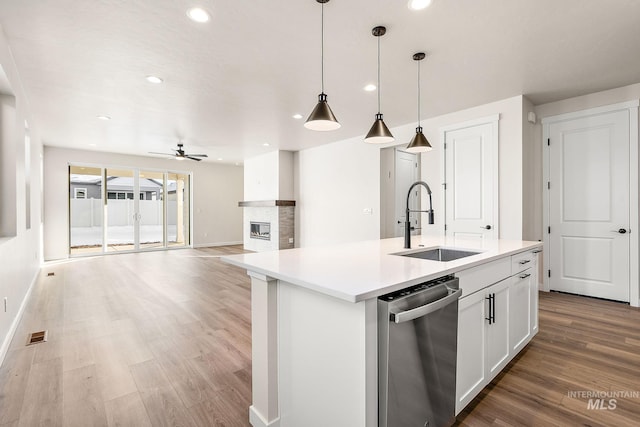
(217, 189)
(532, 177)
(269, 176)
(509, 161)
(335, 182)
(20, 253)
(593, 100)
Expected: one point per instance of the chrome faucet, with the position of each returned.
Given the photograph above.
(407, 223)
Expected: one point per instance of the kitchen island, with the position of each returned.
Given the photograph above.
(314, 322)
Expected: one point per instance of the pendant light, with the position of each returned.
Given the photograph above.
(322, 118)
(419, 143)
(379, 132)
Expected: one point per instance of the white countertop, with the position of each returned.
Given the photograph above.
(362, 270)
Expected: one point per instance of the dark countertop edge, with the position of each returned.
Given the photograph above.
(266, 203)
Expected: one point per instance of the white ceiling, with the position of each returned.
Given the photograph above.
(233, 84)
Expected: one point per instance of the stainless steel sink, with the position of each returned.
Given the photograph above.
(439, 254)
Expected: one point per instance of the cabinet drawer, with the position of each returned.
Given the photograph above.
(521, 261)
(476, 278)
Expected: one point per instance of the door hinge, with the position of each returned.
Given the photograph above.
(549, 273)
(548, 230)
(548, 185)
(416, 164)
(445, 227)
(445, 146)
(548, 141)
(444, 184)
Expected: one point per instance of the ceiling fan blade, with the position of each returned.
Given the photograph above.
(193, 158)
(162, 154)
(197, 155)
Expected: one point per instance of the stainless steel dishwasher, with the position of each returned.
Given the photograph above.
(417, 343)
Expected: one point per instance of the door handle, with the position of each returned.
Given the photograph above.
(620, 230)
(524, 276)
(492, 312)
(525, 261)
(486, 227)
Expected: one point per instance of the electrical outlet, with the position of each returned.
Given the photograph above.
(290, 239)
(5, 304)
(367, 211)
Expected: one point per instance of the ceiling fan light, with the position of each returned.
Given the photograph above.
(379, 132)
(419, 143)
(322, 118)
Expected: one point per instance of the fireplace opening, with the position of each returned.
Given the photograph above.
(260, 230)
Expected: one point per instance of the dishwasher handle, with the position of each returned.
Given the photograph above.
(423, 310)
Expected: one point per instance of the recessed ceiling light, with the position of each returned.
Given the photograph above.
(103, 117)
(92, 145)
(370, 87)
(297, 116)
(198, 15)
(419, 4)
(154, 79)
(266, 144)
(219, 158)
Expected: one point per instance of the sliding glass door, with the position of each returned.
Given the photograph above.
(151, 209)
(121, 209)
(86, 234)
(178, 213)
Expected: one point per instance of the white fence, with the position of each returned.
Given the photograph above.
(88, 212)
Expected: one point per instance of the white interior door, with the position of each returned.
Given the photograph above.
(471, 181)
(406, 174)
(589, 205)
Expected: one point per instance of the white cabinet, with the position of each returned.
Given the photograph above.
(498, 328)
(497, 317)
(483, 340)
(520, 310)
(535, 280)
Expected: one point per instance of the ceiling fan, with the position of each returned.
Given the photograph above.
(181, 155)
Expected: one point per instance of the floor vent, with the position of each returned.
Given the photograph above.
(37, 337)
(51, 274)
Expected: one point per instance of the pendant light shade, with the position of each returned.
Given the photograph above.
(419, 143)
(379, 132)
(322, 118)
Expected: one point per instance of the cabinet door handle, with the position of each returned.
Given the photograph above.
(536, 251)
(524, 276)
(493, 313)
(525, 261)
(486, 227)
(490, 318)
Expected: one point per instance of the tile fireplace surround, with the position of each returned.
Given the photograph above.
(279, 214)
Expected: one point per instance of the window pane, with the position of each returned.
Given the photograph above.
(85, 204)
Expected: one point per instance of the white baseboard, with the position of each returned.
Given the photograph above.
(256, 420)
(208, 245)
(4, 348)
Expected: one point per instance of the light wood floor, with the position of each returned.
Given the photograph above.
(164, 338)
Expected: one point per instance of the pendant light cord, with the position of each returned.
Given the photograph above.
(379, 74)
(418, 93)
(322, 46)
